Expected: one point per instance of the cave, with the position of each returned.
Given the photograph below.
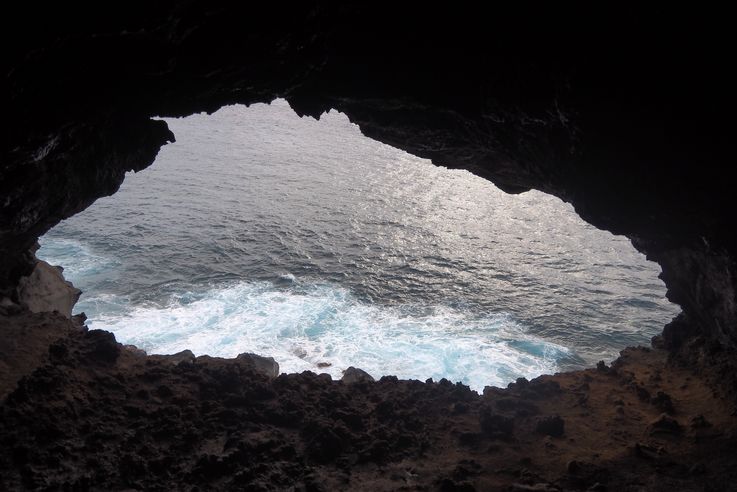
(260, 231)
(623, 112)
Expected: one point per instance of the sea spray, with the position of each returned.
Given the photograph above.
(323, 328)
(264, 232)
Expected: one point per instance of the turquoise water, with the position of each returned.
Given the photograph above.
(259, 231)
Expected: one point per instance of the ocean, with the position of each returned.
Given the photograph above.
(259, 231)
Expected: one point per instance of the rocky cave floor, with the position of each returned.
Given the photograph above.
(80, 411)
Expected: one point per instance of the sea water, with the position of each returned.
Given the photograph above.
(259, 231)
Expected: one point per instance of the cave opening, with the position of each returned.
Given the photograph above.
(259, 231)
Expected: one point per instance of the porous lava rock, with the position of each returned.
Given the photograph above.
(626, 112)
(94, 414)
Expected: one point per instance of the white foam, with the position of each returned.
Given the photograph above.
(327, 324)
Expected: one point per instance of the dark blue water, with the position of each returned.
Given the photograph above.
(259, 231)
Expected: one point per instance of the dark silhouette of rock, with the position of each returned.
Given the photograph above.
(132, 420)
(571, 107)
(355, 375)
(626, 113)
(263, 365)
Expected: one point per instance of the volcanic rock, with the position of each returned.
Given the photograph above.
(626, 113)
(45, 290)
(355, 375)
(553, 426)
(263, 365)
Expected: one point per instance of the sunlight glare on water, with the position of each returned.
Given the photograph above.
(259, 231)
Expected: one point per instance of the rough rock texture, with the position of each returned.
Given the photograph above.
(265, 366)
(626, 112)
(45, 290)
(25, 344)
(95, 415)
(355, 375)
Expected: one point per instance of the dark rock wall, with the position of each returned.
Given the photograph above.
(624, 112)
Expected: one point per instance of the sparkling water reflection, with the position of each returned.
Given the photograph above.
(302, 239)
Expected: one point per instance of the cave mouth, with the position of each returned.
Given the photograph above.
(259, 231)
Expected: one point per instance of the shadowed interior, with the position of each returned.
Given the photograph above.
(625, 113)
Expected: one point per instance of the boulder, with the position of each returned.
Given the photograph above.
(183, 356)
(355, 375)
(45, 290)
(263, 365)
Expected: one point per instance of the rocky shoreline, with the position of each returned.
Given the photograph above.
(627, 113)
(83, 412)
